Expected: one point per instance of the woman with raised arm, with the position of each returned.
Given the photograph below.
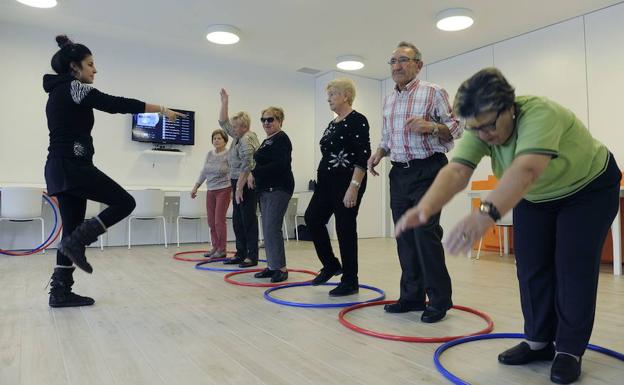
(241, 159)
(69, 171)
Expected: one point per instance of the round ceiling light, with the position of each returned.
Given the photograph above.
(454, 19)
(349, 62)
(223, 34)
(39, 3)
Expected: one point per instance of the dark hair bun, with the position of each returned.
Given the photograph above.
(63, 40)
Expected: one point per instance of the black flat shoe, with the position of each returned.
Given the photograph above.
(522, 354)
(279, 276)
(325, 275)
(565, 369)
(266, 273)
(248, 263)
(403, 307)
(344, 289)
(431, 314)
(232, 261)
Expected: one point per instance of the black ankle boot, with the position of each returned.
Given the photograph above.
(73, 246)
(60, 292)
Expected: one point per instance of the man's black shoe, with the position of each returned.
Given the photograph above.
(565, 369)
(522, 354)
(325, 275)
(431, 315)
(403, 307)
(279, 276)
(266, 273)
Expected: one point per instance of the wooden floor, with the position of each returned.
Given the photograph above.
(160, 321)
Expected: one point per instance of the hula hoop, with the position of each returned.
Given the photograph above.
(227, 279)
(200, 266)
(341, 318)
(176, 256)
(458, 381)
(268, 297)
(54, 234)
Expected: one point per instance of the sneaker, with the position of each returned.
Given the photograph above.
(218, 254)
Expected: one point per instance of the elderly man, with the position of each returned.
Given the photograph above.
(418, 129)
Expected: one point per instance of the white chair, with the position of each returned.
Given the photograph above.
(93, 209)
(150, 204)
(189, 209)
(503, 224)
(22, 204)
(303, 201)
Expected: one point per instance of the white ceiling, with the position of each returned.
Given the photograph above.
(290, 34)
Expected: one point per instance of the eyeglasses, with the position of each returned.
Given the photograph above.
(267, 120)
(402, 60)
(489, 128)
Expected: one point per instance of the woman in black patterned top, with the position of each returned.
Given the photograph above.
(69, 171)
(341, 183)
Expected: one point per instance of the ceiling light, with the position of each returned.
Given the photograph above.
(39, 3)
(349, 62)
(223, 34)
(454, 19)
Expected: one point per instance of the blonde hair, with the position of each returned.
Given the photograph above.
(243, 118)
(277, 112)
(221, 133)
(345, 87)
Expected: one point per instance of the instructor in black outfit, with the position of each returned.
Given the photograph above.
(69, 171)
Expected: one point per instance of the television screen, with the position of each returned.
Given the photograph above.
(153, 128)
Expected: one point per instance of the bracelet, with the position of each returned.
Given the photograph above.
(355, 183)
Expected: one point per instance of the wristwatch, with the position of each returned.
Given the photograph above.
(435, 130)
(489, 209)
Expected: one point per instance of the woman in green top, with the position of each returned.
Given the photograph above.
(563, 187)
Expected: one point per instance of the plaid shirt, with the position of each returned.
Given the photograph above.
(420, 99)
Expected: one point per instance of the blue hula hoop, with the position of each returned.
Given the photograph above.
(458, 381)
(51, 233)
(268, 297)
(200, 266)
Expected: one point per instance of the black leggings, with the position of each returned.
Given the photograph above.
(73, 204)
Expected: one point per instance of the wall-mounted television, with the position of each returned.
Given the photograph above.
(154, 128)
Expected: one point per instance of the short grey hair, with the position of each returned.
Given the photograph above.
(345, 87)
(485, 91)
(405, 44)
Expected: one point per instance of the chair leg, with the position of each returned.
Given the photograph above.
(42, 234)
(285, 230)
(500, 241)
(101, 243)
(178, 230)
(479, 249)
(165, 231)
(296, 229)
(129, 231)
